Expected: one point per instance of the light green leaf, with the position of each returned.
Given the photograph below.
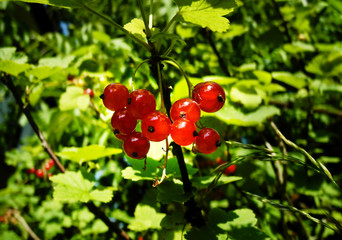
(234, 116)
(61, 62)
(263, 76)
(207, 13)
(146, 217)
(12, 67)
(88, 153)
(9, 53)
(298, 47)
(74, 98)
(203, 182)
(72, 186)
(42, 72)
(247, 96)
(136, 27)
(101, 36)
(35, 94)
(294, 80)
(239, 218)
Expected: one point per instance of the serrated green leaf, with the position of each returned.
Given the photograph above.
(74, 98)
(72, 186)
(146, 217)
(295, 80)
(208, 13)
(42, 72)
(88, 153)
(246, 96)
(137, 28)
(9, 53)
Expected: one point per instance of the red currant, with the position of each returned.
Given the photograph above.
(40, 173)
(115, 96)
(31, 170)
(123, 121)
(119, 135)
(141, 102)
(89, 91)
(209, 95)
(229, 170)
(51, 162)
(156, 126)
(207, 141)
(185, 108)
(136, 145)
(47, 166)
(183, 132)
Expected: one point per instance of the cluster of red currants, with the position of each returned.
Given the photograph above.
(40, 173)
(156, 126)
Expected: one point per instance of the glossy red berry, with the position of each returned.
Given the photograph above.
(141, 102)
(183, 132)
(209, 95)
(229, 170)
(47, 166)
(31, 170)
(119, 135)
(115, 96)
(51, 162)
(207, 141)
(89, 91)
(40, 173)
(185, 108)
(123, 121)
(156, 126)
(136, 145)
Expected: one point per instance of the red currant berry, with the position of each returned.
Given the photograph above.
(207, 141)
(51, 162)
(229, 170)
(31, 170)
(183, 132)
(89, 91)
(185, 108)
(123, 121)
(40, 173)
(141, 102)
(115, 96)
(209, 95)
(47, 166)
(119, 135)
(156, 126)
(136, 145)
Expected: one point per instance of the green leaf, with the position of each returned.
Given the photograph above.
(101, 36)
(239, 218)
(42, 72)
(88, 153)
(61, 62)
(72, 186)
(73, 98)
(146, 217)
(135, 172)
(295, 80)
(57, 3)
(137, 28)
(246, 95)
(9, 53)
(171, 191)
(207, 13)
(205, 181)
(298, 47)
(12, 62)
(234, 116)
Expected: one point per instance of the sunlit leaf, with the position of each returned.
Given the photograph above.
(294, 80)
(146, 217)
(207, 13)
(72, 186)
(137, 28)
(88, 153)
(74, 98)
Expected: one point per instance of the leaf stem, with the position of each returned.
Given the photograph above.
(173, 62)
(136, 69)
(116, 25)
(173, 19)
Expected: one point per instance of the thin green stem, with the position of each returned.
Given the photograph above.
(162, 105)
(173, 62)
(173, 19)
(147, 28)
(136, 69)
(109, 20)
(316, 163)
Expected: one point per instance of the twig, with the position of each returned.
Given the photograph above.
(17, 215)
